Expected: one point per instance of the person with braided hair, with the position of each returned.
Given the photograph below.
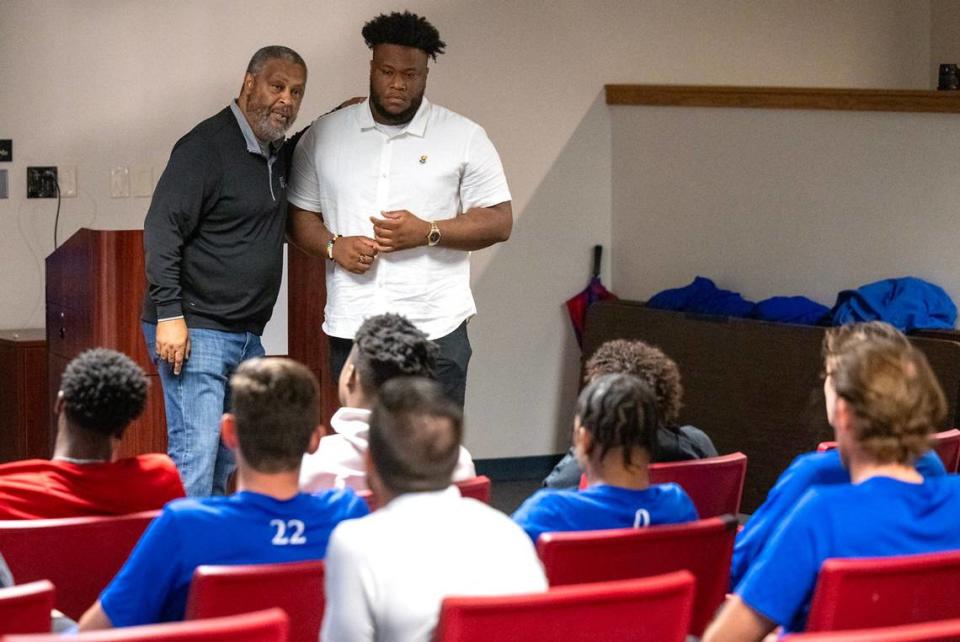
(386, 346)
(614, 433)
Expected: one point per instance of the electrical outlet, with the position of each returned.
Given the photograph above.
(41, 182)
(68, 181)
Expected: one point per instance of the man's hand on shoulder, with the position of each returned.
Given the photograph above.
(399, 230)
(355, 253)
(173, 342)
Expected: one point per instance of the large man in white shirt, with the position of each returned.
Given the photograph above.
(396, 192)
(387, 573)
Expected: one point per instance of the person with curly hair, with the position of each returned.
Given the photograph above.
(386, 346)
(101, 392)
(883, 402)
(674, 442)
(615, 429)
(396, 192)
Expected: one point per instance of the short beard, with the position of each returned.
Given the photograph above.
(264, 129)
(403, 117)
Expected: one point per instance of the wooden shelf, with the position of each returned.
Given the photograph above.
(785, 98)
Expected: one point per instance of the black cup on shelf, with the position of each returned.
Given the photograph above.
(949, 78)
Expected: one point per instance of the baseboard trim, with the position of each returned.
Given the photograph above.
(517, 468)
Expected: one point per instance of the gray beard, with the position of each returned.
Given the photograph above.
(264, 129)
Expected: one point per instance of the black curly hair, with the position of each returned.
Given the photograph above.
(405, 29)
(619, 411)
(103, 391)
(657, 370)
(389, 346)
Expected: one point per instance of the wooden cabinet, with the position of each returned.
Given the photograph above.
(25, 407)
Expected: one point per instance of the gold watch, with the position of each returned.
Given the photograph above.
(434, 236)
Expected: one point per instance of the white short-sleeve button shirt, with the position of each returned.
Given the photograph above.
(437, 167)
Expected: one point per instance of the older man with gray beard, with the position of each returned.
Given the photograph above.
(213, 239)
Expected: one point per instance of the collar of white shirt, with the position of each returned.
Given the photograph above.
(416, 127)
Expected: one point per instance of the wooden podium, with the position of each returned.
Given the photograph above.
(95, 290)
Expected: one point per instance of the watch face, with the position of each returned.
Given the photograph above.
(434, 237)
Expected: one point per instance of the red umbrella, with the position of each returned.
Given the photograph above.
(577, 305)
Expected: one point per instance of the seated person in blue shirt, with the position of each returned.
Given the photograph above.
(674, 442)
(813, 469)
(883, 402)
(273, 421)
(614, 431)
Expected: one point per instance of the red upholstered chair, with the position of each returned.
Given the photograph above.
(862, 593)
(296, 587)
(478, 488)
(704, 548)
(941, 631)
(946, 443)
(262, 626)
(80, 555)
(25, 608)
(824, 446)
(715, 484)
(654, 609)
(475, 488)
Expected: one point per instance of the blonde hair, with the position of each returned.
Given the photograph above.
(892, 391)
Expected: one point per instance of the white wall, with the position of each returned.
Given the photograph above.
(770, 202)
(108, 82)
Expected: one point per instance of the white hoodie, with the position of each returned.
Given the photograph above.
(338, 462)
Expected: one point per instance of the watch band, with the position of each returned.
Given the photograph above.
(330, 243)
(434, 236)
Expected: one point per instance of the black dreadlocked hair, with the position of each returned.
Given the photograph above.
(103, 391)
(405, 29)
(619, 410)
(389, 346)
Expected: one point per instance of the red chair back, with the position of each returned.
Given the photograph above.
(946, 443)
(263, 626)
(654, 609)
(869, 592)
(476, 488)
(26, 608)
(703, 548)
(80, 555)
(942, 631)
(295, 587)
(715, 484)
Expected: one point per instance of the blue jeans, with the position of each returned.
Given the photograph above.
(195, 400)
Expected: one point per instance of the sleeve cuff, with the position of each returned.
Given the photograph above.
(169, 311)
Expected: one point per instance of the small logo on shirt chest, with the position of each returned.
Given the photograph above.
(423, 159)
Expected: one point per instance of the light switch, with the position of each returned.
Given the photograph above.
(3, 184)
(120, 182)
(68, 180)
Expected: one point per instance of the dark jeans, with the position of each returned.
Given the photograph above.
(451, 372)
